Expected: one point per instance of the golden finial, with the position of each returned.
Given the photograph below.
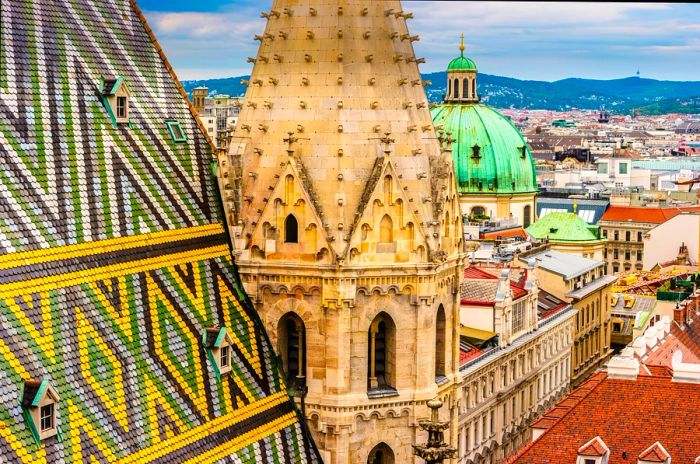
(575, 206)
(461, 45)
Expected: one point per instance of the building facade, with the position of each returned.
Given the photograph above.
(345, 216)
(527, 368)
(625, 227)
(493, 164)
(583, 283)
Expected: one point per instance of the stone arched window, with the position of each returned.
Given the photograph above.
(386, 230)
(291, 229)
(388, 193)
(527, 216)
(291, 346)
(456, 88)
(381, 362)
(440, 345)
(381, 454)
(447, 224)
(449, 87)
(465, 88)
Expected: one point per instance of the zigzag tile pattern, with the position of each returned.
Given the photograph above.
(113, 258)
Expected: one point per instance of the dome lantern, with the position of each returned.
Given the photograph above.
(461, 79)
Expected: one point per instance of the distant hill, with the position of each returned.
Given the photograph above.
(647, 96)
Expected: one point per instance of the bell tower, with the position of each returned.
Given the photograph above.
(345, 219)
(461, 79)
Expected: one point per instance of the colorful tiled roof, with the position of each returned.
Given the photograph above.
(639, 214)
(479, 287)
(114, 259)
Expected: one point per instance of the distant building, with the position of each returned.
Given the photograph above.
(675, 241)
(590, 210)
(624, 227)
(629, 317)
(218, 114)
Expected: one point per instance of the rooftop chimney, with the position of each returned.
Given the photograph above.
(655, 454)
(503, 285)
(530, 280)
(623, 368)
(679, 314)
(640, 346)
(666, 322)
(650, 337)
(684, 372)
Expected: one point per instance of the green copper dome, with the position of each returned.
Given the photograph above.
(564, 227)
(490, 155)
(461, 63)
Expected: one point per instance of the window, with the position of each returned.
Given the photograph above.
(381, 454)
(616, 268)
(47, 417)
(527, 216)
(628, 236)
(605, 233)
(224, 360)
(465, 91)
(617, 235)
(639, 236)
(176, 132)
(440, 348)
(476, 150)
(617, 327)
(121, 107)
(602, 168)
(627, 255)
(291, 229)
(616, 254)
(623, 168)
(456, 87)
(639, 255)
(291, 336)
(518, 318)
(381, 366)
(218, 342)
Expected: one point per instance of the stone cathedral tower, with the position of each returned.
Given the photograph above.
(345, 218)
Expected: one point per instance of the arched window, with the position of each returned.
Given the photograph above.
(473, 86)
(527, 216)
(289, 189)
(449, 87)
(478, 212)
(381, 454)
(386, 230)
(291, 229)
(440, 347)
(291, 346)
(381, 365)
(465, 89)
(388, 193)
(456, 87)
(447, 224)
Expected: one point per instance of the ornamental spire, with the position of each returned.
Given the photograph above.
(461, 45)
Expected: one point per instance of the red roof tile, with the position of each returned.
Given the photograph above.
(627, 415)
(473, 272)
(639, 214)
(655, 453)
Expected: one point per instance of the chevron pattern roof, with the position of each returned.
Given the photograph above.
(114, 261)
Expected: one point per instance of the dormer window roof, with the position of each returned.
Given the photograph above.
(594, 451)
(115, 95)
(39, 406)
(218, 342)
(656, 453)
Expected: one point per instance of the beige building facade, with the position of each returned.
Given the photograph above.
(502, 390)
(345, 218)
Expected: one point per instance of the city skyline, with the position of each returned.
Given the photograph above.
(525, 40)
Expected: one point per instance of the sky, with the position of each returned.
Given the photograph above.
(542, 41)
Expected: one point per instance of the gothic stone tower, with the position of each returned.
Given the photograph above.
(345, 218)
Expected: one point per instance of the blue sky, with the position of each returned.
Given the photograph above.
(528, 40)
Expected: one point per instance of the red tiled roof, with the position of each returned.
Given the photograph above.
(685, 339)
(467, 355)
(627, 415)
(506, 233)
(639, 214)
(473, 272)
(595, 447)
(655, 453)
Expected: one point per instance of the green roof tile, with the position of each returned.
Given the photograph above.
(563, 227)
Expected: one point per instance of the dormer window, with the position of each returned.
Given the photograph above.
(39, 402)
(476, 152)
(176, 132)
(523, 152)
(594, 451)
(115, 95)
(218, 342)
